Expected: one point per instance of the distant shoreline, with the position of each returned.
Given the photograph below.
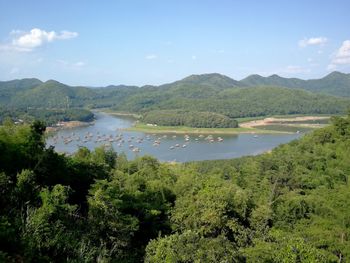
(246, 127)
(118, 113)
(68, 125)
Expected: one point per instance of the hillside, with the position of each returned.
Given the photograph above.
(209, 80)
(216, 93)
(335, 83)
(273, 80)
(237, 102)
(9, 88)
(53, 94)
(292, 203)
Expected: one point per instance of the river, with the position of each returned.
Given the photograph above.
(108, 130)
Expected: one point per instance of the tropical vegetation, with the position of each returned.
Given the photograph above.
(290, 205)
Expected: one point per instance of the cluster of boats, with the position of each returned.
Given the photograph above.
(130, 141)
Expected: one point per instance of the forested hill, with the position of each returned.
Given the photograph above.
(336, 83)
(49, 94)
(237, 102)
(290, 205)
(216, 93)
(215, 80)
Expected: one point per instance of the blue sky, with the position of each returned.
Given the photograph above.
(98, 43)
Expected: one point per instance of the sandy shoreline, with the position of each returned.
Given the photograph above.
(273, 120)
(67, 125)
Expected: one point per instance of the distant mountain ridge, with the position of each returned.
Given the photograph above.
(211, 79)
(335, 83)
(252, 96)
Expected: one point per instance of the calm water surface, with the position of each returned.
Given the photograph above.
(107, 130)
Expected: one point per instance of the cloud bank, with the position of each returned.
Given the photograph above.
(342, 56)
(28, 41)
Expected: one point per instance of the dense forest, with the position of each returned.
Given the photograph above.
(289, 205)
(194, 119)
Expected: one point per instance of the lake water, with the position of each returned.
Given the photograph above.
(108, 130)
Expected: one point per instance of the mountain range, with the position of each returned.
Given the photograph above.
(251, 96)
(335, 83)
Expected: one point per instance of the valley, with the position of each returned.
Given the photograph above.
(174, 131)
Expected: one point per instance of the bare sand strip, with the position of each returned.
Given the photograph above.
(273, 120)
(67, 125)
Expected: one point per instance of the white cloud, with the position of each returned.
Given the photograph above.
(66, 35)
(10, 47)
(343, 54)
(313, 41)
(194, 57)
(28, 41)
(151, 56)
(341, 57)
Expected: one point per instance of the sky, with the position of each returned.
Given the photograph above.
(99, 43)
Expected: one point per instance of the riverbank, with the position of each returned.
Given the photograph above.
(271, 125)
(67, 125)
(118, 113)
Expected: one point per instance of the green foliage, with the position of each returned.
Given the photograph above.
(111, 228)
(290, 205)
(189, 118)
(48, 228)
(191, 247)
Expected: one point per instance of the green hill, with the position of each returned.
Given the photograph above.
(273, 80)
(53, 94)
(210, 80)
(335, 83)
(236, 102)
(216, 93)
(8, 89)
